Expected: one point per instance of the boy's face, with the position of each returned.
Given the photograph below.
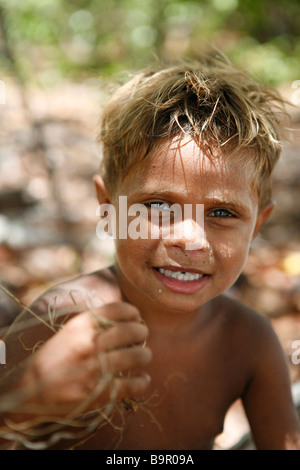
(181, 173)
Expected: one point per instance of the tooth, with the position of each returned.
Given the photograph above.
(180, 275)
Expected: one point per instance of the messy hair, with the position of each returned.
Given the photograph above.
(208, 100)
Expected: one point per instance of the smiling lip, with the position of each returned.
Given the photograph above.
(181, 280)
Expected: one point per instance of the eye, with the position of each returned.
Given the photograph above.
(224, 213)
(159, 205)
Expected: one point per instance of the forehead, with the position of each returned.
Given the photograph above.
(187, 168)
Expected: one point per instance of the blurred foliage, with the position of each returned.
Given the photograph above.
(56, 39)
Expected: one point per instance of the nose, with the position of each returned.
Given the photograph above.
(188, 234)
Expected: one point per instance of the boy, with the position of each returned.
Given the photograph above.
(150, 353)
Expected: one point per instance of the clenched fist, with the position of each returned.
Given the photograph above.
(96, 357)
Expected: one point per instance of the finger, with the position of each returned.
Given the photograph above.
(124, 387)
(121, 335)
(132, 387)
(117, 312)
(122, 360)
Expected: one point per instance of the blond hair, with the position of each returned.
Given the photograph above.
(208, 100)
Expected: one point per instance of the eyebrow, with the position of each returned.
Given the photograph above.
(215, 200)
(229, 202)
(167, 194)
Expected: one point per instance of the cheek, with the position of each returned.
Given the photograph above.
(134, 258)
(232, 256)
(133, 253)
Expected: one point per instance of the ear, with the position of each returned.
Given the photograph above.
(103, 195)
(262, 216)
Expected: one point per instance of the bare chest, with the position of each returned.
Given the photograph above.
(183, 409)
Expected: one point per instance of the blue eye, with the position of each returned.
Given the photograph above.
(220, 213)
(162, 206)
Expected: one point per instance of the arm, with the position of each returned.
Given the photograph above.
(267, 400)
(81, 368)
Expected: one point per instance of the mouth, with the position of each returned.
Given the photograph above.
(184, 281)
(186, 276)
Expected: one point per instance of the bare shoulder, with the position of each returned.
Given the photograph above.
(240, 317)
(245, 329)
(49, 312)
(86, 291)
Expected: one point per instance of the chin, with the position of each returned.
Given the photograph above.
(176, 303)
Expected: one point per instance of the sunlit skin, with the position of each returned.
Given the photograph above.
(201, 349)
(182, 173)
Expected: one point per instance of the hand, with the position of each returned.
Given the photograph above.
(97, 357)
